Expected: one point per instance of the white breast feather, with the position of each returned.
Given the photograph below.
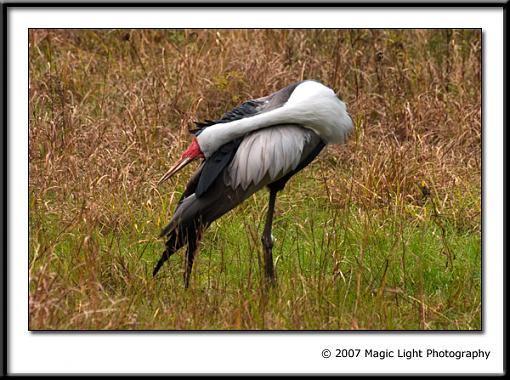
(271, 151)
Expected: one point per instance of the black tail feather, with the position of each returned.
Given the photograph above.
(173, 243)
(181, 235)
(159, 264)
(193, 240)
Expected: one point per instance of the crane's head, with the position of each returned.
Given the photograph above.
(193, 152)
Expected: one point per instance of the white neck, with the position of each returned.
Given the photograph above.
(311, 105)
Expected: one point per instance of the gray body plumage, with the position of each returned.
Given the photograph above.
(267, 155)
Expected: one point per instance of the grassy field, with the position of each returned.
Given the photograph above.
(382, 233)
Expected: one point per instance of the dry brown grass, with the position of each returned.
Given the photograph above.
(110, 109)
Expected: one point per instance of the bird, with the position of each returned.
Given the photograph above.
(261, 143)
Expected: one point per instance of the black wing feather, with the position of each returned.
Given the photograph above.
(247, 109)
(215, 164)
(250, 108)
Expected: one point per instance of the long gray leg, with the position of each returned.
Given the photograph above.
(267, 239)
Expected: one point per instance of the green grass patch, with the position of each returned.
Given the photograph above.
(336, 269)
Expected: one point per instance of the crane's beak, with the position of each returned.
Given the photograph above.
(174, 169)
(189, 155)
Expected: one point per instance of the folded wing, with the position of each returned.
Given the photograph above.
(269, 154)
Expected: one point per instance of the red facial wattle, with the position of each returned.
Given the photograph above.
(193, 150)
(189, 155)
